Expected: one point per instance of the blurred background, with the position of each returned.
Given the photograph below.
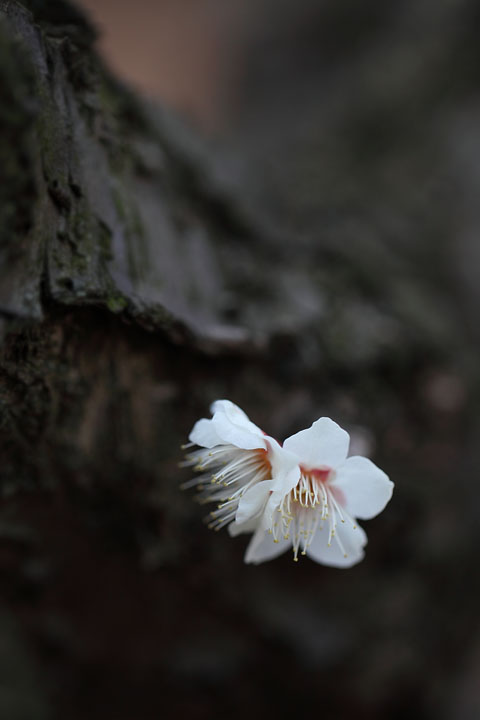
(350, 132)
(328, 113)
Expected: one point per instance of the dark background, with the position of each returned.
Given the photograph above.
(348, 136)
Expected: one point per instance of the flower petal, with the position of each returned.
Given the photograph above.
(227, 406)
(285, 467)
(323, 444)
(235, 415)
(204, 434)
(233, 426)
(250, 526)
(365, 488)
(285, 476)
(253, 502)
(262, 547)
(352, 542)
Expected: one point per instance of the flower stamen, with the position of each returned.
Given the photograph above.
(234, 472)
(308, 505)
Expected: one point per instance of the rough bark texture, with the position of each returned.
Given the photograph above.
(136, 286)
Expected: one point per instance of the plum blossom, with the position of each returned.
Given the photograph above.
(305, 495)
(234, 457)
(314, 508)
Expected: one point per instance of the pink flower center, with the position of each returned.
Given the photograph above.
(310, 490)
(318, 474)
(313, 487)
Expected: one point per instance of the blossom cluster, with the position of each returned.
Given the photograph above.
(305, 494)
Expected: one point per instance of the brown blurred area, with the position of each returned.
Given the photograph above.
(183, 52)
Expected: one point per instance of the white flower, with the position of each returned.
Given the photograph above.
(234, 457)
(314, 509)
(305, 495)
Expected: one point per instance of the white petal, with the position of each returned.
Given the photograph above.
(204, 434)
(233, 426)
(262, 547)
(285, 467)
(324, 444)
(266, 520)
(253, 502)
(364, 487)
(352, 544)
(286, 480)
(235, 415)
(282, 484)
(231, 409)
(235, 528)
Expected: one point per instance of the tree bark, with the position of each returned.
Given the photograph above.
(136, 286)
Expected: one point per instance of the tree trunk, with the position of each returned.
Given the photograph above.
(136, 287)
